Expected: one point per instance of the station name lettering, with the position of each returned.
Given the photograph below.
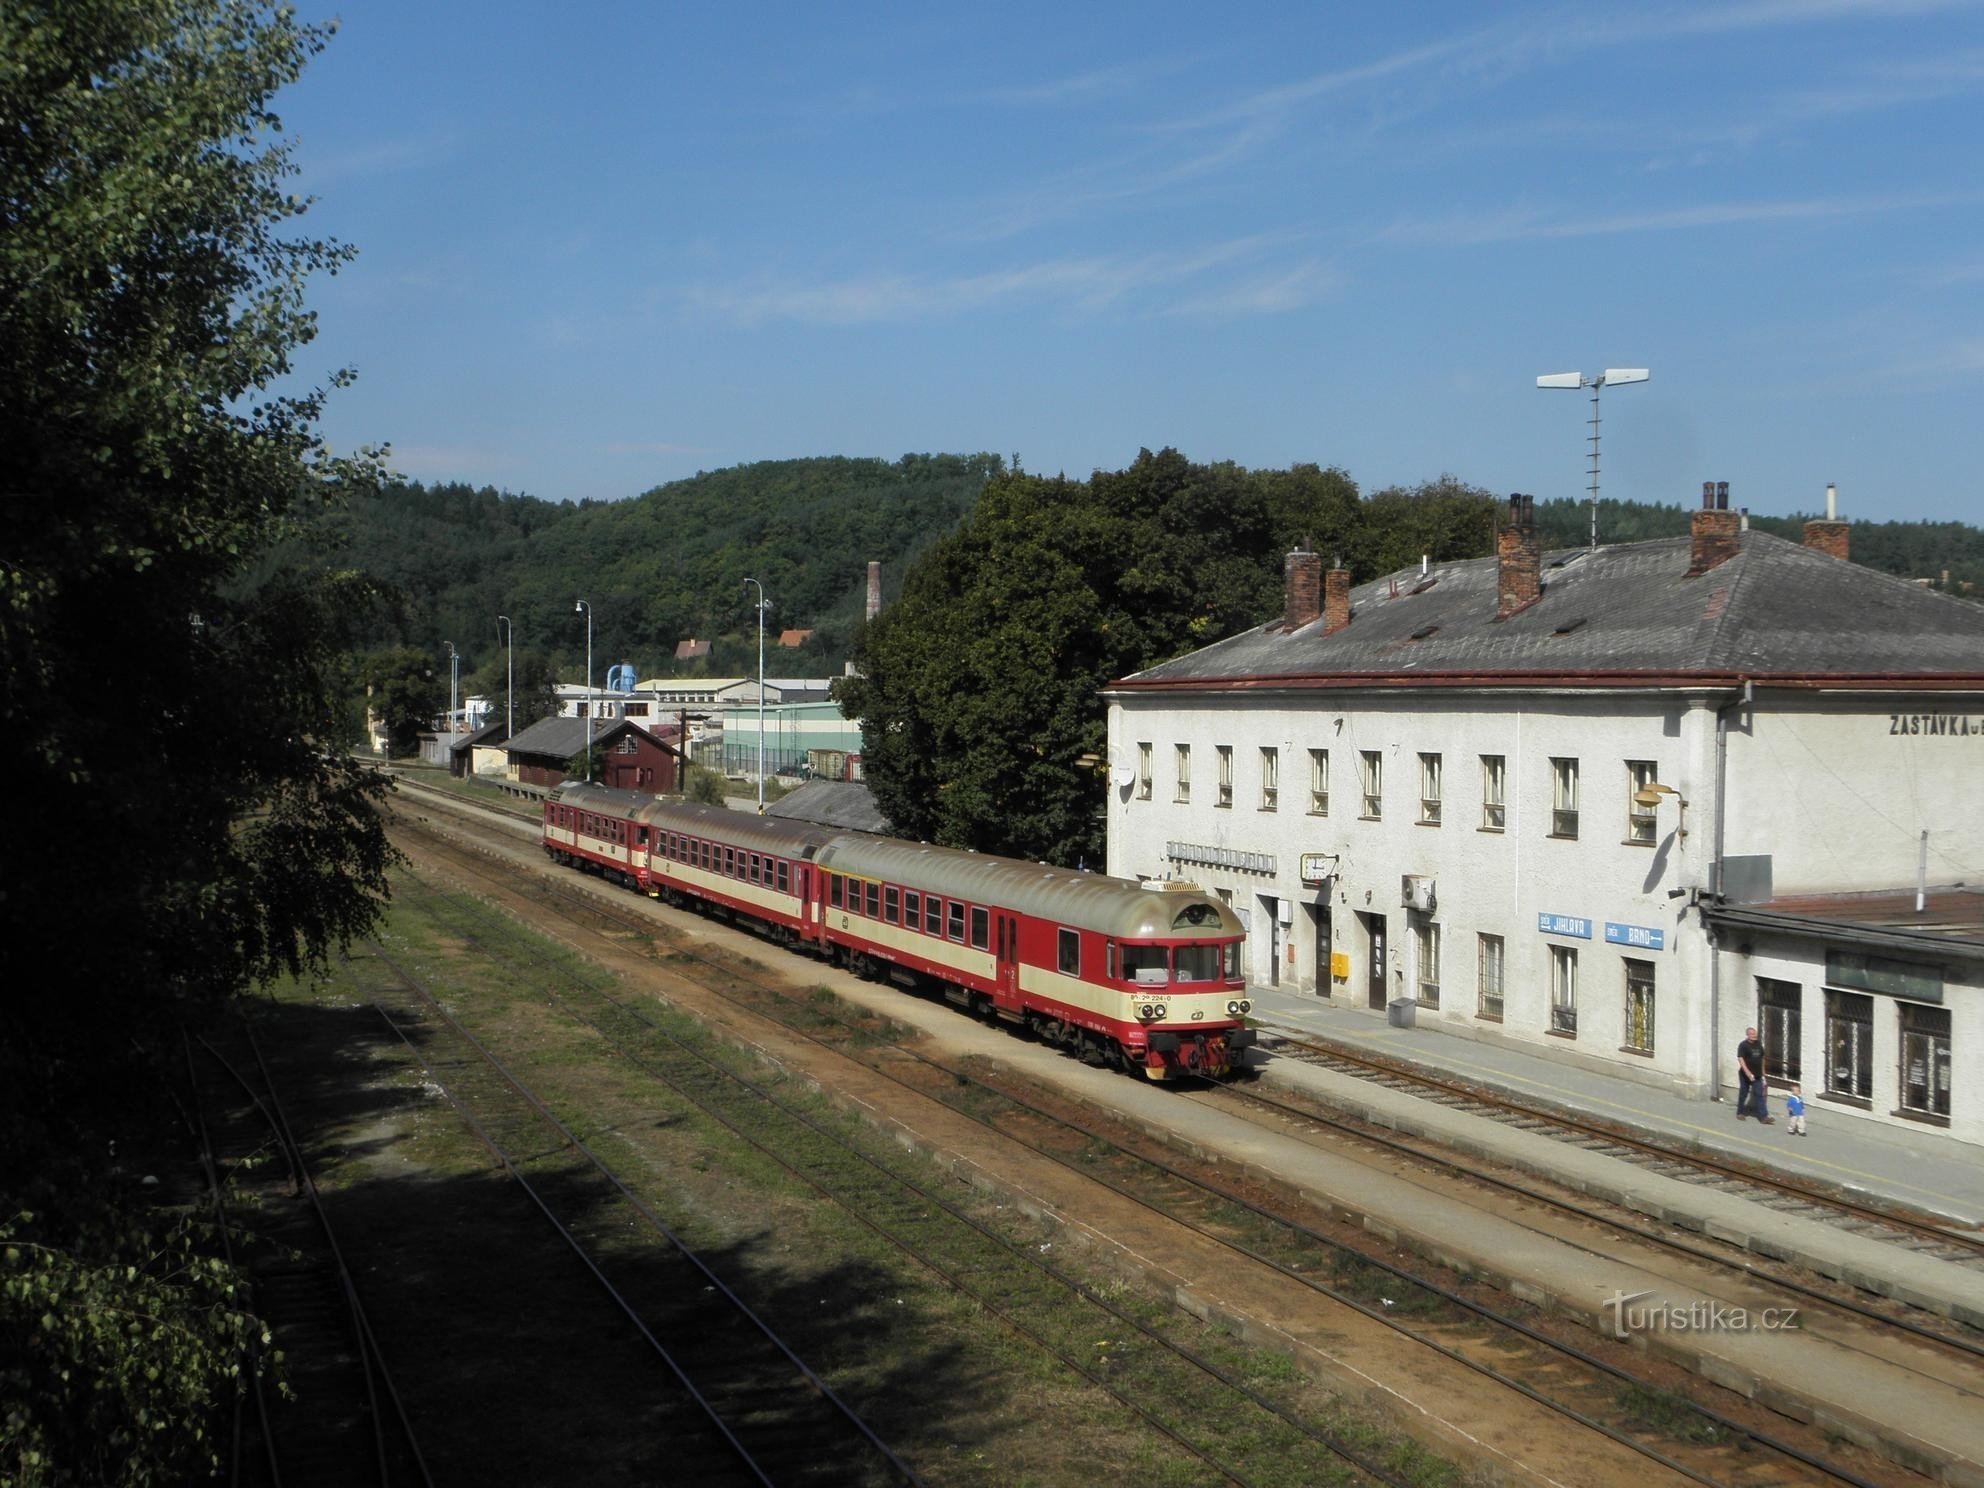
(1961, 724)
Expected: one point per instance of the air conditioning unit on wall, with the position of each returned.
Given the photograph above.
(1416, 892)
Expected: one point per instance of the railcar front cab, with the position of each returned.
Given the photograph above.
(1182, 983)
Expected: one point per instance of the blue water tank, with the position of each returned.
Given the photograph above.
(620, 677)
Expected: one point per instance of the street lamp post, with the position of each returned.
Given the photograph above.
(761, 694)
(1610, 377)
(507, 628)
(454, 676)
(582, 605)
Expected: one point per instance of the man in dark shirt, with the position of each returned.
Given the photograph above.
(1750, 1085)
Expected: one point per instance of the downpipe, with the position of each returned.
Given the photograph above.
(1743, 699)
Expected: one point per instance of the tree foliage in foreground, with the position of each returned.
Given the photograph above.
(980, 688)
(181, 822)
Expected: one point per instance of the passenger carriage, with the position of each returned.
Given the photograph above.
(1147, 977)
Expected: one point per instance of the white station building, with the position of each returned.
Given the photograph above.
(1616, 803)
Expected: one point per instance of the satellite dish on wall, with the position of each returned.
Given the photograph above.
(1121, 772)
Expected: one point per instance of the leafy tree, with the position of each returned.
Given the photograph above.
(151, 296)
(403, 688)
(705, 785)
(536, 695)
(979, 689)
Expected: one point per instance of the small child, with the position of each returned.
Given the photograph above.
(1794, 1108)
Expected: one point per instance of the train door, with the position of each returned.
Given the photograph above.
(809, 906)
(1006, 951)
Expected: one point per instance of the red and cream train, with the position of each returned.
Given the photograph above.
(1144, 978)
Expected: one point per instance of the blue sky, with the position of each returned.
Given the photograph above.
(606, 246)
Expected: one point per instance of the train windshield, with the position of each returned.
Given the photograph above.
(1197, 963)
(1146, 964)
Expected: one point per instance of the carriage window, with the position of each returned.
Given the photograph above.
(1197, 963)
(873, 894)
(891, 902)
(833, 890)
(980, 928)
(784, 876)
(956, 924)
(1068, 951)
(912, 908)
(756, 871)
(1109, 961)
(1232, 959)
(933, 916)
(730, 862)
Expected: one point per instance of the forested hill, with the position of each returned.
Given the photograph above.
(660, 567)
(1910, 550)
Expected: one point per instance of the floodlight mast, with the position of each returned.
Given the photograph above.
(1610, 377)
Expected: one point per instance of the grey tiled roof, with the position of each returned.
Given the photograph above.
(832, 803)
(563, 738)
(1616, 616)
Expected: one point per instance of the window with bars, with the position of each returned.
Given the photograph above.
(1488, 976)
(1925, 1060)
(1426, 962)
(1429, 789)
(1639, 1006)
(1319, 782)
(1564, 990)
(1779, 1006)
(1270, 779)
(1143, 772)
(1563, 798)
(1849, 1045)
(1184, 792)
(1224, 753)
(1371, 766)
(1641, 825)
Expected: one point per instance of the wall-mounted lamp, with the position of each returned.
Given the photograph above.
(1650, 794)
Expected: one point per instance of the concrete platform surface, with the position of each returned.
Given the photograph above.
(1923, 1169)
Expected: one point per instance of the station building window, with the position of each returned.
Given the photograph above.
(1563, 798)
(1429, 790)
(1779, 1023)
(1849, 1045)
(1270, 779)
(1564, 991)
(1641, 825)
(1371, 766)
(1319, 782)
(1426, 962)
(1184, 791)
(1639, 1006)
(1225, 756)
(1488, 976)
(1925, 1060)
(1143, 772)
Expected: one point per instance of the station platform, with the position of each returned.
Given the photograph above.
(1923, 1170)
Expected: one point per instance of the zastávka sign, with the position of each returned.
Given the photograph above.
(1556, 924)
(1645, 937)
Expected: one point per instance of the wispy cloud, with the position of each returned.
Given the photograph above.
(409, 152)
(1516, 223)
(456, 461)
(1079, 284)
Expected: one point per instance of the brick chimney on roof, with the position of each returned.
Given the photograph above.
(1713, 530)
(1302, 580)
(1336, 599)
(1518, 560)
(1828, 534)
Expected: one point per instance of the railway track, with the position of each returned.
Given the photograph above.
(1206, 1408)
(1576, 1383)
(357, 1429)
(1790, 1195)
(747, 1407)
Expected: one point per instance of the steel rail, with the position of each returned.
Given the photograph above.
(1399, 1070)
(1521, 1387)
(1323, 1438)
(372, 1358)
(1746, 1269)
(1754, 1434)
(743, 1309)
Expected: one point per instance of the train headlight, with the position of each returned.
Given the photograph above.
(1246, 1005)
(1233, 1008)
(1160, 1012)
(1144, 1011)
